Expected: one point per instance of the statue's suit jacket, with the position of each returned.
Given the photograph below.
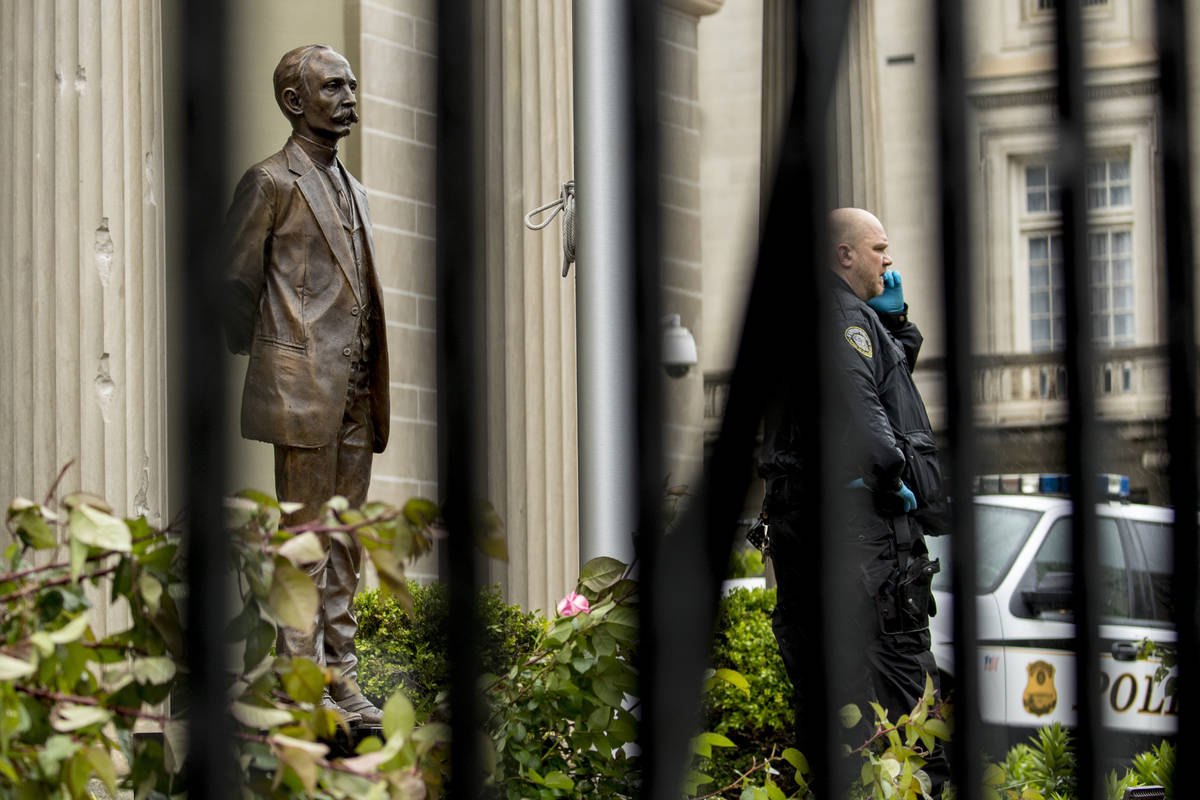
(293, 304)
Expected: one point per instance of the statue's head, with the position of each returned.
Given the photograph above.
(315, 88)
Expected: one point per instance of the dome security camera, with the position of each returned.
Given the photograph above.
(678, 347)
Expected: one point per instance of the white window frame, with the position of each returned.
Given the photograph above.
(1046, 222)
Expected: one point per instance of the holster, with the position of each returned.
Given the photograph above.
(904, 602)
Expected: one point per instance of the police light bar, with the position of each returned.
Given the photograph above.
(1110, 485)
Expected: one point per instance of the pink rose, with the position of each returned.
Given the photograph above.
(574, 603)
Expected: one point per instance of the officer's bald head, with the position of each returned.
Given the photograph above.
(848, 226)
(858, 250)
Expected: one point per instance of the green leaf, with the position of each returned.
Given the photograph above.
(494, 547)
(600, 573)
(71, 632)
(717, 740)
(102, 767)
(608, 692)
(303, 680)
(301, 756)
(938, 728)
(733, 677)
(77, 499)
(153, 670)
(303, 549)
(774, 792)
(41, 642)
(391, 574)
(398, 716)
(560, 632)
(12, 669)
(693, 780)
(849, 715)
(557, 780)
(174, 746)
(794, 757)
(293, 596)
(241, 626)
(260, 717)
(78, 557)
(66, 717)
(622, 623)
(258, 498)
(421, 512)
(599, 718)
(151, 591)
(57, 749)
(33, 528)
(96, 528)
(258, 644)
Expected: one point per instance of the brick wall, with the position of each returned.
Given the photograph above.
(396, 68)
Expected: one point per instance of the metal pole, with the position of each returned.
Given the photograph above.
(605, 324)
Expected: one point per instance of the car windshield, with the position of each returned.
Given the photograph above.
(1000, 532)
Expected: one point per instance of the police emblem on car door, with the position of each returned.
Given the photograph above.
(1040, 696)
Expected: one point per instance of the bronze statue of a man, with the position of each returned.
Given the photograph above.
(305, 303)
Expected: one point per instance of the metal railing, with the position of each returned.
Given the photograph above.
(681, 591)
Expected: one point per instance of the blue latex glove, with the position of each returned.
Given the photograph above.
(892, 299)
(904, 493)
(910, 499)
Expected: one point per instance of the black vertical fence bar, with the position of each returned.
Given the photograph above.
(1081, 428)
(655, 662)
(782, 308)
(210, 760)
(459, 278)
(1181, 347)
(957, 297)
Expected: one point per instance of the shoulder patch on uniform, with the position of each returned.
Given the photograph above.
(860, 341)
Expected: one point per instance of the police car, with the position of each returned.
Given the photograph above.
(1024, 607)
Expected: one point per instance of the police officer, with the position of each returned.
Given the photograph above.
(889, 481)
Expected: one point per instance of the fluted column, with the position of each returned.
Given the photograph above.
(854, 124)
(82, 336)
(531, 419)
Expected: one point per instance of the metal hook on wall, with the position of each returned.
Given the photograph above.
(566, 204)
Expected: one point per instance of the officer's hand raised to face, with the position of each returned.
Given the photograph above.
(891, 301)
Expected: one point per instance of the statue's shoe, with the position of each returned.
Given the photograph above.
(356, 704)
(347, 716)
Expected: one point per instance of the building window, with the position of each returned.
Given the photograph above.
(1041, 189)
(1110, 260)
(1109, 253)
(1047, 294)
(1108, 184)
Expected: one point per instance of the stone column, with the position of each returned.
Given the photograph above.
(854, 124)
(531, 419)
(83, 331)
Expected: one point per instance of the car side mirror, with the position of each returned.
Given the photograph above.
(1053, 596)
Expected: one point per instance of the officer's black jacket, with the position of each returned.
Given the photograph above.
(882, 432)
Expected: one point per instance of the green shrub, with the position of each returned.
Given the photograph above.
(397, 650)
(761, 719)
(1044, 768)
